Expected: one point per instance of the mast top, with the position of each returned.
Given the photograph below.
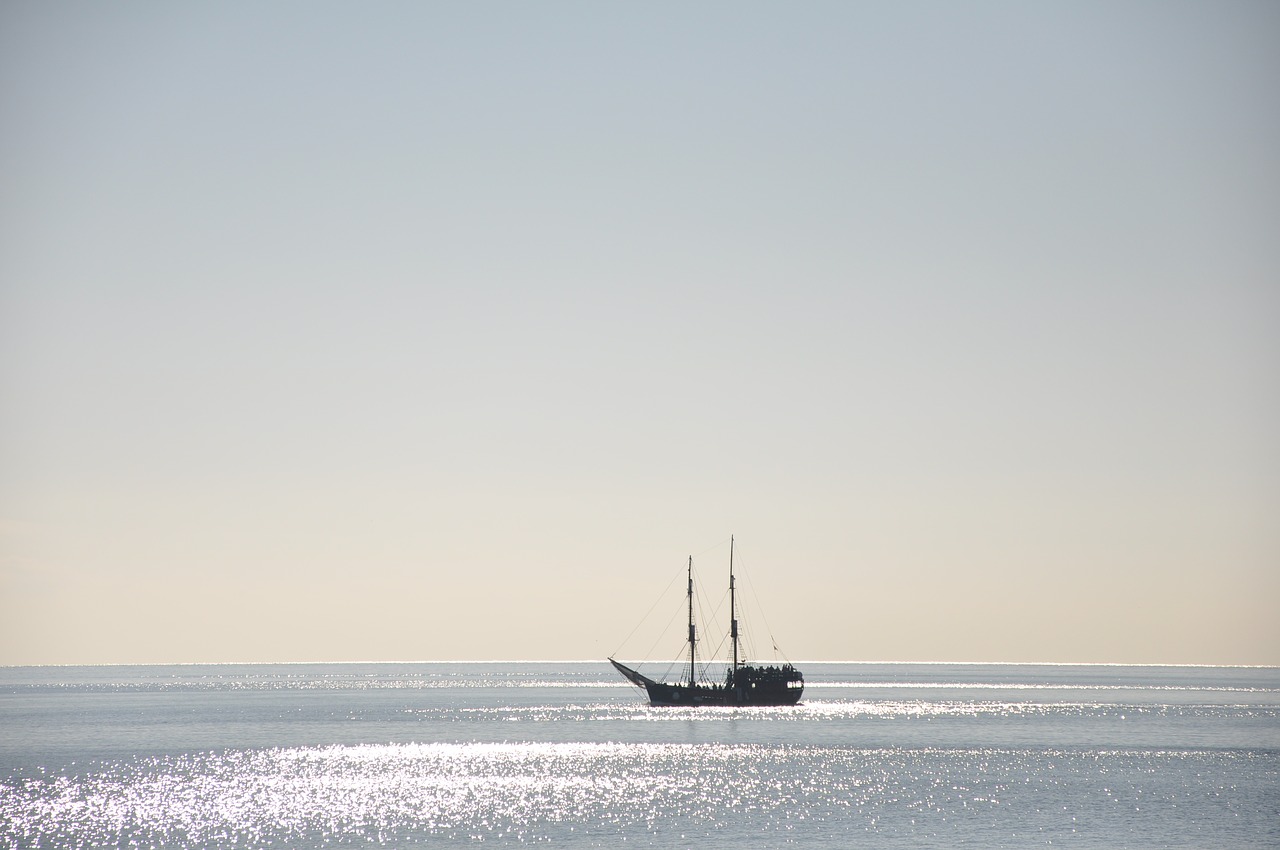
(733, 612)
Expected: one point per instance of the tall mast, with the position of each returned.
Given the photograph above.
(733, 614)
(693, 634)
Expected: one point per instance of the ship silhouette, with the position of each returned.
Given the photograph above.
(744, 684)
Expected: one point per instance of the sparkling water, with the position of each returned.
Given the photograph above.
(402, 755)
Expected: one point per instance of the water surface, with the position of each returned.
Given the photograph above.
(402, 755)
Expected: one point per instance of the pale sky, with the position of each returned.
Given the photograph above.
(427, 331)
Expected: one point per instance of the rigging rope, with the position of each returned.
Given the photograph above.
(646, 616)
(772, 640)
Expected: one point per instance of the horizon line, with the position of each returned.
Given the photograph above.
(640, 661)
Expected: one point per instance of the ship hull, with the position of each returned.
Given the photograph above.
(660, 693)
(755, 688)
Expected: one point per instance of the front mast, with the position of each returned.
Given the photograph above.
(733, 616)
(692, 631)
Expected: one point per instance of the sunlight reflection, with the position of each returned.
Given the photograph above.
(402, 794)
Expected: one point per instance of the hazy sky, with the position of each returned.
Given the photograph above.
(410, 331)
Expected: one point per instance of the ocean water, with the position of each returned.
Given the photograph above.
(567, 754)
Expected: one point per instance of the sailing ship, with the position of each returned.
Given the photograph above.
(744, 684)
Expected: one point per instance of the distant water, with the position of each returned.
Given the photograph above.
(403, 755)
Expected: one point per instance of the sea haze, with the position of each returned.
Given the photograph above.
(399, 755)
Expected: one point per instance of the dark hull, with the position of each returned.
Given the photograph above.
(754, 688)
(661, 693)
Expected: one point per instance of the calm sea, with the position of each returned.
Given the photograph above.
(404, 755)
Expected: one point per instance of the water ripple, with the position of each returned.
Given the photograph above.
(595, 793)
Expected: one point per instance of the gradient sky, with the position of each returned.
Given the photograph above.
(412, 331)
